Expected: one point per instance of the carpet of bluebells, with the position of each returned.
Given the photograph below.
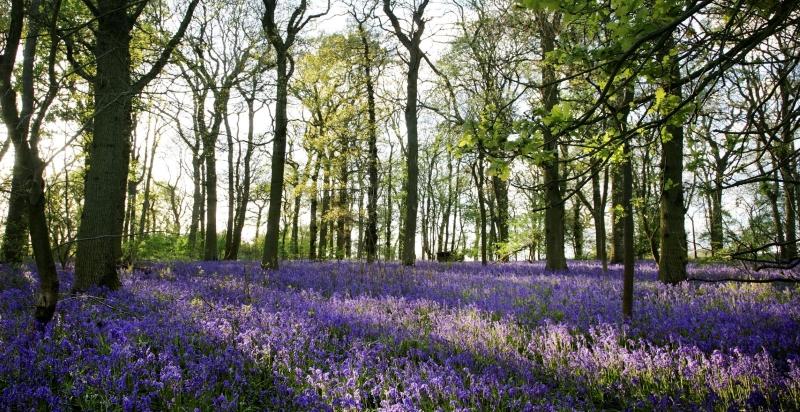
(347, 336)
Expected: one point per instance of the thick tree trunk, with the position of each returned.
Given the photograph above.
(412, 162)
(100, 232)
(270, 256)
(672, 264)
(554, 213)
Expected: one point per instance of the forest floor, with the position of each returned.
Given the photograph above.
(347, 336)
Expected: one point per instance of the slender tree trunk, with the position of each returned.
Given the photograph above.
(312, 226)
(389, 216)
(371, 236)
(627, 202)
(244, 199)
(617, 226)
(359, 254)
(716, 227)
(501, 197)
(147, 181)
(599, 216)
(326, 199)
(342, 216)
(232, 167)
(209, 152)
(28, 164)
(577, 230)
(477, 175)
(197, 204)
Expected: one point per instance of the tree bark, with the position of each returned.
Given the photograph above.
(15, 238)
(270, 256)
(326, 199)
(25, 138)
(672, 264)
(617, 206)
(99, 248)
(411, 43)
(371, 235)
(312, 226)
(627, 221)
(554, 213)
(477, 175)
(100, 232)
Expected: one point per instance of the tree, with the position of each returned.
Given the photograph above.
(672, 264)
(411, 41)
(281, 41)
(371, 236)
(549, 25)
(114, 89)
(24, 130)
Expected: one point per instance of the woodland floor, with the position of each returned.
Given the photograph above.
(347, 336)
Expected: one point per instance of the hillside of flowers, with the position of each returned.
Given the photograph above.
(348, 336)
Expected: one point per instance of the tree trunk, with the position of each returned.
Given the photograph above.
(477, 175)
(577, 230)
(389, 216)
(147, 181)
(232, 168)
(412, 163)
(672, 264)
(371, 235)
(554, 213)
(599, 216)
(716, 229)
(209, 155)
(617, 226)
(312, 226)
(197, 204)
(28, 165)
(244, 199)
(627, 218)
(326, 200)
(270, 256)
(15, 238)
(501, 197)
(99, 246)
